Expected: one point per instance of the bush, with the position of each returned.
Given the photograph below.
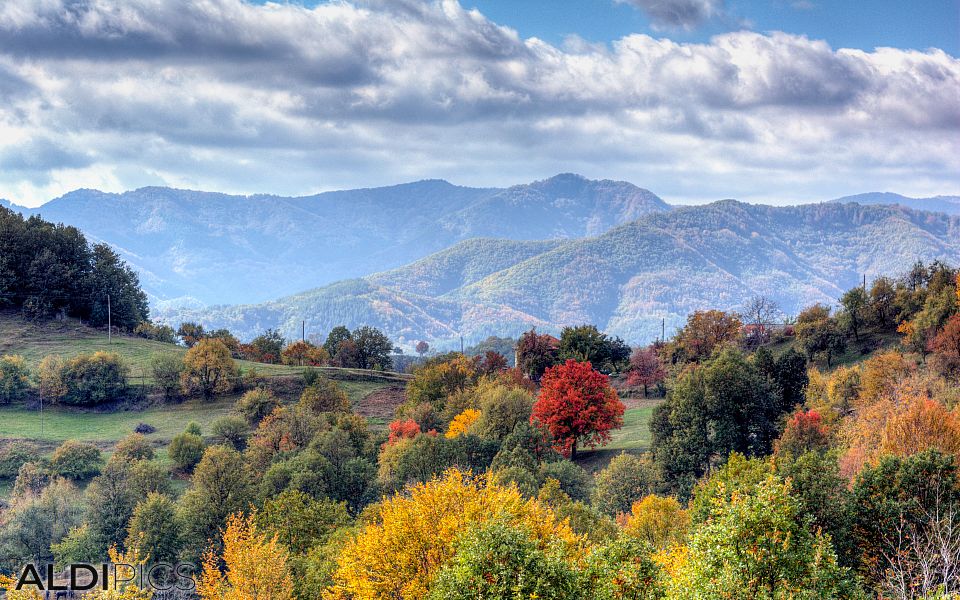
(167, 369)
(185, 451)
(324, 396)
(159, 333)
(257, 404)
(92, 379)
(13, 455)
(626, 479)
(231, 431)
(134, 447)
(50, 375)
(574, 481)
(14, 378)
(144, 428)
(76, 460)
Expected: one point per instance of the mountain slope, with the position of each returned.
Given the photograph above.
(944, 204)
(661, 266)
(220, 248)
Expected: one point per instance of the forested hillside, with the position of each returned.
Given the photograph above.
(662, 266)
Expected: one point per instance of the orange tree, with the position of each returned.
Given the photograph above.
(256, 566)
(578, 406)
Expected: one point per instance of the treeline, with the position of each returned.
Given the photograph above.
(48, 269)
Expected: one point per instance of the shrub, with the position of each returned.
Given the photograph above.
(167, 369)
(232, 431)
(92, 379)
(186, 450)
(159, 333)
(256, 404)
(50, 375)
(626, 479)
(14, 378)
(208, 368)
(324, 396)
(144, 428)
(76, 460)
(13, 455)
(134, 447)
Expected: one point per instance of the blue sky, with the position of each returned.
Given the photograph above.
(781, 101)
(847, 24)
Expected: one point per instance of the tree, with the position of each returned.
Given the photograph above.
(91, 379)
(14, 378)
(804, 432)
(705, 331)
(186, 449)
(256, 565)
(111, 276)
(256, 404)
(657, 520)
(627, 479)
(221, 487)
(208, 368)
(400, 551)
(498, 561)
(818, 333)
(304, 353)
(753, 546)
(267, 346)
(300, 522)
(50, 378)
(134, 447)
(855, 313)
(422, 348)
(623, 568)
(881, 308)
(154, 529)
(578, 406)
(190, 333)
(462, 423)
(501, 409)
(337, 335)
(76, 460)
(167, 369)
(324, 396)
(373, 348)
(583, 343)
(760, 313)
(232, 431)
(492, 363)
(535, 353)
(645, 369)
(946, 347)
(79, 546)
(36, 521)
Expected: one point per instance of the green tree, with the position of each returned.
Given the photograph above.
(497, 561)
(76, 460)
(154, 529)
(625, 480)
(336, 336)
(221, 487)
(622, 568)
(232, 431)
(14, 378)
(167, 369)
(92, 379)
(134, 447)
(110, 276)
(818, 333)
(584, 343)
(301, 522)
(753, 546)
(256, 404)
(186, 450)
(79, 546)
(855, 311)
(373, 348)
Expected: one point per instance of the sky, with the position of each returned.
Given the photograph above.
(775, 101)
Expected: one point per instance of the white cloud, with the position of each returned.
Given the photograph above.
(279, 98)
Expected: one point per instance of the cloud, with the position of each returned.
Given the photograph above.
(678, 14)
(281, 98)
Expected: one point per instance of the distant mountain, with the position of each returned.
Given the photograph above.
(944, 204)
(661, 266)
(218, 248)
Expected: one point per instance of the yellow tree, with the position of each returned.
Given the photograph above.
(398, 554)
(660, 521)
(256, 566)
(208, 368)
(462, 422)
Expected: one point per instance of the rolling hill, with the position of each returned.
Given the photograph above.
(661, 266)
(944, 204)
(217, 248)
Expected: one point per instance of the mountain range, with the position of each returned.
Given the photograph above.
(630, 281)
(218, 248)
(448, 260)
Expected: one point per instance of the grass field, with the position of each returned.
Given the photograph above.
(633, 437)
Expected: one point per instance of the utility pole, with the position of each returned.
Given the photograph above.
(303, 331)
(663, 329)
(864, 282)
(109, 322)
(461, 344)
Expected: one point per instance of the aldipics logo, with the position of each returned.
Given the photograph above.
(81, 577)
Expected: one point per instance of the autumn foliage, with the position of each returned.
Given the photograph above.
(403, 430)
(256, 566)
(578, 406)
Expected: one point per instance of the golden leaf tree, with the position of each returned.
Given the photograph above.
(256, 566)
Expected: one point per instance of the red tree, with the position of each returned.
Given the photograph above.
(805, 432)
(400, 430)
(946, 345)
(645, 368)
(578, 406)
